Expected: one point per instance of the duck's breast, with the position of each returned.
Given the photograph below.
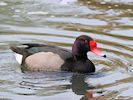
(44, 61)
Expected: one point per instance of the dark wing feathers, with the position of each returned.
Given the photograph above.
(33, 45)
(29, 49)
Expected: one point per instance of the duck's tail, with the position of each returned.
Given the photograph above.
(18, 52)
(17, 49)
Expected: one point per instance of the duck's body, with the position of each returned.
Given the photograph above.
(40, 57)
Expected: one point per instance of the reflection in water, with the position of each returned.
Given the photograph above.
(79, 86)
(51, 83)
(59, 22)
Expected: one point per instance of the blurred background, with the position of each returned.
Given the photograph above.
(59, 22)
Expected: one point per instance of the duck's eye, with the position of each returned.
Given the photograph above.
(81, 40)
(86, 42)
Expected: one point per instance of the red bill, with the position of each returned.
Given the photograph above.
(94, 49)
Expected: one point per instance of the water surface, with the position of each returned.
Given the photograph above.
(59, 22)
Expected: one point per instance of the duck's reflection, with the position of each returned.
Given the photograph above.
(79, 86)
(44, 84)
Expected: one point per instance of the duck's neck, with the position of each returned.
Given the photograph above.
(80, 57)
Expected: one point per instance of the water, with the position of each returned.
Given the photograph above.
(59, 22)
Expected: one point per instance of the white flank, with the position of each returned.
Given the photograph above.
(18, 58)
(44, 61)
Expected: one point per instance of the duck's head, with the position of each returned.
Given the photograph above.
(84, 44)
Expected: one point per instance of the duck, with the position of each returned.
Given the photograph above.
(44, 57)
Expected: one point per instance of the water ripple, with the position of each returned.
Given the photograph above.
(59, 22)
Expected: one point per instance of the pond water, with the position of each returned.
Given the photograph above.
(59, 22)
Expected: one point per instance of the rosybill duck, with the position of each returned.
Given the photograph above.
(42, 57)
